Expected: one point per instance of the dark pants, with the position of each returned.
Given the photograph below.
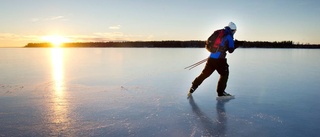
(221, 66)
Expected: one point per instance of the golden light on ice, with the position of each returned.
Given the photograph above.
(57, 64)
(55, 40)
(59, 105)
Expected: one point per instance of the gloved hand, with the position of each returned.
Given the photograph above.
(238, 43)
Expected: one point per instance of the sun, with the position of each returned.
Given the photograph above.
(55, 40)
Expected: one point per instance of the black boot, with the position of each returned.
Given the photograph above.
(192, 89)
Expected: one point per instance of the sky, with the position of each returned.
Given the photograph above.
(29, 21)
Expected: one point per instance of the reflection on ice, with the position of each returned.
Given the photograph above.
(57, 68)
(211, 126)
(58, 118)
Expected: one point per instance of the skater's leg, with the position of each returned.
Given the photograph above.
(223, 70)
(206, 72)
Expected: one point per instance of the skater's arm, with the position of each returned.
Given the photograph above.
(230, 44)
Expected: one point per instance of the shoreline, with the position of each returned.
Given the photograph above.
(172, 44)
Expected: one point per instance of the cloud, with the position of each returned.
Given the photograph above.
(53, 18)
(56, 18)
(4, 36)
(114, 27)
(150, 37)
(109, 36)
(17, 40)
(99, 37)
(35, 19)
(16, 37)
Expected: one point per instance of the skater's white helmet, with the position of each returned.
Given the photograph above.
(233, 27)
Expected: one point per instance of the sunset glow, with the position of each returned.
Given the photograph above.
(55, 40)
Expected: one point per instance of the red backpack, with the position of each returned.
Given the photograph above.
(214, 41)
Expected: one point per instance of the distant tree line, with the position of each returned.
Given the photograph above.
(164, 44)
(276, 44)
(177, 44)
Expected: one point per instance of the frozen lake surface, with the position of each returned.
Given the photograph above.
(142, 92)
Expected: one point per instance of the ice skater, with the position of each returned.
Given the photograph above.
(218, 44)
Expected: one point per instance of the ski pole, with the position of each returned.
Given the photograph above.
(196, 64)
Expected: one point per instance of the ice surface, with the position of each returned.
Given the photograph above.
(143, 91)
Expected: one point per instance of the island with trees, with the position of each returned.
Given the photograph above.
(175, 44)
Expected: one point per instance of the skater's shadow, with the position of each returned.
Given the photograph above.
(212, 127)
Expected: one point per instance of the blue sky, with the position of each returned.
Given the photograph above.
(24, 21)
